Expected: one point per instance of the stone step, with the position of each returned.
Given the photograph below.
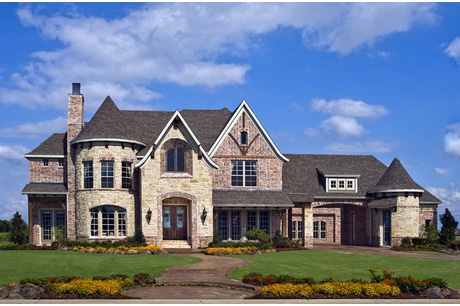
(176, 244)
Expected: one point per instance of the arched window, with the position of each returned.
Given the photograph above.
(108, 221)
(175, 160)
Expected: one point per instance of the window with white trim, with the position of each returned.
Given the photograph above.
(108, 221)
(244, 173)
(126, 169)
(341, 184)
(319, 229)
(106, 174)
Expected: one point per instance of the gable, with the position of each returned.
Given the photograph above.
(258, 142)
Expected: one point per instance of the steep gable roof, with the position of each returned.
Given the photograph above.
(53, 146)
(244, 107)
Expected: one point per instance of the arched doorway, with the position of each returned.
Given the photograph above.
(175, 214)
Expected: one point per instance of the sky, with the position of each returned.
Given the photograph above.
(378, 79)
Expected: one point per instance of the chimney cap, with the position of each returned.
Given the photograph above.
(76, 88)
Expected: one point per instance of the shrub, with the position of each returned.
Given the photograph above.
(19, 231)
(230, 250)
(259, 235)
(406, 242)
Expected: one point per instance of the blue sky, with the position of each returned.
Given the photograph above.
(343, 78)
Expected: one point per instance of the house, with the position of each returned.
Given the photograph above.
(181, 176)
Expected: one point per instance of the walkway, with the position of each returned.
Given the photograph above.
(211, 271)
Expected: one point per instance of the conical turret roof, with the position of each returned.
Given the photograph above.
(396, 178)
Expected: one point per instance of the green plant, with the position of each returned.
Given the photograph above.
(449, 224)
(406, 242)
(259, 235)
(19, 231)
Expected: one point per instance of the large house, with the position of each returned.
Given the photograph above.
(182, 176)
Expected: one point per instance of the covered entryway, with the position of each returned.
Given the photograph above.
(175, 222)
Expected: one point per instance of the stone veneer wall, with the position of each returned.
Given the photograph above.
(195, 189)
(97, 196)
(405, 221)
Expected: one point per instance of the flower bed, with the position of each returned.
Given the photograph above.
(381, 285)
(122, 249)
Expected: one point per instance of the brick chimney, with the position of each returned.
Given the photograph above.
(75, 123)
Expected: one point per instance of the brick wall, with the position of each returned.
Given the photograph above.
(269, 169)
(39, 173)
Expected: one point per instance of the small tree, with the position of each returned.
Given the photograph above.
(449, 224)
(19, 232)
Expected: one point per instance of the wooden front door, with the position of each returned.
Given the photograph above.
(175, 222)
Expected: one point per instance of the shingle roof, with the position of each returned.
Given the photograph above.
(303, 178)
(256, 198)
(145, 126)
(44, 188)
(396, 178)
(53, 145)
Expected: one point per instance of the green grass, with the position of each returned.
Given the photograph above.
(17, 265)
(321, 265)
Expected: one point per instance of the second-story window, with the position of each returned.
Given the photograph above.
(106, 174)
(244, 173)
(175, 160)
(244, 138)
(126, 175)
(46, 162)
(88, 174)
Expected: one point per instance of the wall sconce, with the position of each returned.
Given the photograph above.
(148, 216)
(203, 215)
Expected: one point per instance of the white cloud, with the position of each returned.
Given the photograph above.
(343, 113)
(343, 126)
(453, 50)
(36, 129)
(348, 108)
(441, 171)
(12, 152)
(450, 197)
(452, 140)
(184, 43)
(366, 147)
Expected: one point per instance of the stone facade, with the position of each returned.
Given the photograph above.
(192, 188)
(159, 196)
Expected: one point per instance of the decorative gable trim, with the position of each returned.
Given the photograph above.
(174, 123)
(242, 109)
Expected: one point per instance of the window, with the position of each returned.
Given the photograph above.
(46, 162)
(297, 230)
(236, 225)
(126, 175)
(223, 224)
(427, 223)
(251, 220)
(60, 162)
(264, 221)
(244, 173)
(53, 224)
(319, 229)
(88, 174)
(244, 138)
(341, 184)
(175, 160)
(108, 221)
(106, 174)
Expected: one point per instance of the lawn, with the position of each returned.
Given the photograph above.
(17, 265)
(321, 265)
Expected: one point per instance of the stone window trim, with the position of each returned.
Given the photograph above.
(188, 159)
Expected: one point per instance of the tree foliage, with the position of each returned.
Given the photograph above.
(19, 231)
(449, 224)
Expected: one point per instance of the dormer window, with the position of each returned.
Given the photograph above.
(339, 184)
(244, 138)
